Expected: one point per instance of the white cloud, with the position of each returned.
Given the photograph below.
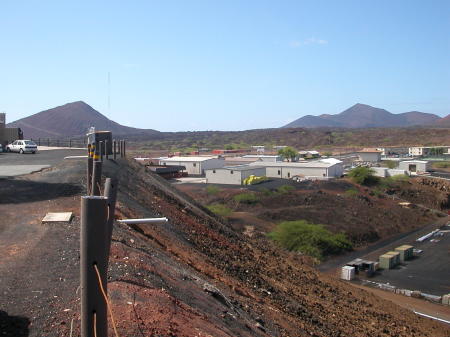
(308, 41)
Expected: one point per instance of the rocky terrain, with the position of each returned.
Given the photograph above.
(195, 276)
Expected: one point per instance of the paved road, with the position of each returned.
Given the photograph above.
(15, 164)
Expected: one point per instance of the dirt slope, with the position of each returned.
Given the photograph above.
(194, 276)
(264, 289)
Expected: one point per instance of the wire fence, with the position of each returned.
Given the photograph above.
(70, 142)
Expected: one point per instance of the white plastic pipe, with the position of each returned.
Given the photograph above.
(432, 317)
(143, 221)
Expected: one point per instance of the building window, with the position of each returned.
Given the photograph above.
(231, 172)
(279, 172)
(195, 164)
(289, 174)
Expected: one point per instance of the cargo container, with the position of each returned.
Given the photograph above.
(348, 273)
(386, 261)
(396, 256)
(406, 252)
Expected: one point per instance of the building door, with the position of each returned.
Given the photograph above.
(412, 168)
(289, 175)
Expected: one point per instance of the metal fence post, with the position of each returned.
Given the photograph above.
(106, 150)
(100, 147)
(96, 177)
(124, 147)
(70, 142)
(114, 149)
(110, 193)
(48, 141)
(89, 169)
(92, 252)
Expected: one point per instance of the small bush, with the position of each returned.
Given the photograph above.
(212, 190)
(246, 198)
(363, 176)
(266, 192)
(352, 193)
(285, 189)
(391, 164)
(219, 209)
(309, 239)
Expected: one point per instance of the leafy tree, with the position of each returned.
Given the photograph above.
(363, 175)
(288, 153)
(310, 239)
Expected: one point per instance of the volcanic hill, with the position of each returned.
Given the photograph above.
(71, 120)
(365, 116)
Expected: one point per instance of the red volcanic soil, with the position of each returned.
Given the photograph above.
(194, 276)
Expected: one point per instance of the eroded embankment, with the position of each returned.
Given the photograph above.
(196, 276)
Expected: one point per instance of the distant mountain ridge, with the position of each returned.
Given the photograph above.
(71, 120)
(366, 116)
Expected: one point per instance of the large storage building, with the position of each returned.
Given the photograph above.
(233, 175)
(324, 168)
(194, 165)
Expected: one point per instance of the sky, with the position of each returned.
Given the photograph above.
(223, 65)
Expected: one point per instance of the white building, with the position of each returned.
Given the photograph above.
(233, 175)
(414, 166)
(426, 150)
(324, 168)
(260, 157)
(369, 155)
(195, 165)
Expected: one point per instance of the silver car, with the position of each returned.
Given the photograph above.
(22, 146)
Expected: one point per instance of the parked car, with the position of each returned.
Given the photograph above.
(22, 146)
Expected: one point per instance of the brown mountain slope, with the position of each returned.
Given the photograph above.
(365, 116)
(71, 120)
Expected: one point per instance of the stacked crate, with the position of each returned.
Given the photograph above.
(406, 252)
(386, 261)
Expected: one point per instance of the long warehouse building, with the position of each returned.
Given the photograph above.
(324, 168)
(194, 165)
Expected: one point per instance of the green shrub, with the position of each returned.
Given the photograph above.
(266, 192)
(391, 164)
(212, 190)
(283, 189)
(309, 239)
(219, 209)
(246, 198)
(363, 176)
(352, 193)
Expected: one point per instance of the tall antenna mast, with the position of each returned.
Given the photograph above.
(109, 91)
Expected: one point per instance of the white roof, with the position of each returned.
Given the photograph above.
(331, 161)
(244, 167)
(260, 156)
(187, 159)
(316, 163)
(415, 161)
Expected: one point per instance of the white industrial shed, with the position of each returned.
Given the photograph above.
(233, 175)
(370, 155)
(414, 166)
(261, 157)
(324, 168)
(194, 165)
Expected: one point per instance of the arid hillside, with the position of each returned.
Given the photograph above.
(194, 276)
(301, 138)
